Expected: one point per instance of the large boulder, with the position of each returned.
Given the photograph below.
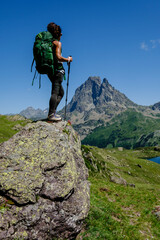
(44, 192)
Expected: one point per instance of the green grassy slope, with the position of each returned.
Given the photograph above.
(9, 125)
(124, 130)
(123, 210)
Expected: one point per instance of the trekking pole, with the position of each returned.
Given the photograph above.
(67, 91)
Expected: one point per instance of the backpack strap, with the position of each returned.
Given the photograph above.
(39, 80)
(34, 77)
(32, 64)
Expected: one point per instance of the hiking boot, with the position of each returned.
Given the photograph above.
(57, 115)
(54, 117)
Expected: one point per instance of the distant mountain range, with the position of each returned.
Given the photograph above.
(94, 104)
(34, 114)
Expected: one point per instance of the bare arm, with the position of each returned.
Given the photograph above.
(58, 53)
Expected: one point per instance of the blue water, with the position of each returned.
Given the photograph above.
(156, 159)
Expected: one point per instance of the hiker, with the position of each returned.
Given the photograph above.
(57, 76)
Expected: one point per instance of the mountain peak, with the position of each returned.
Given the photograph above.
(97, 95)
(94, 79)
(105, 81)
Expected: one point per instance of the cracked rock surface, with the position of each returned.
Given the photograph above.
(44, 192)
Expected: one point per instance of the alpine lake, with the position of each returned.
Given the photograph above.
(156, 159)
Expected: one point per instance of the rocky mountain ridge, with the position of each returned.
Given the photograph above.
(93, 104)
(96, 103)
(94, 95)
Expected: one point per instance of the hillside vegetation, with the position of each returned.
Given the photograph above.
(129, 129)
(10, 125)
(125, 194)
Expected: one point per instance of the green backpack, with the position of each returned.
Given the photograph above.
(43, 54)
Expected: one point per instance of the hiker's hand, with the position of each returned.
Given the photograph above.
(70, 59)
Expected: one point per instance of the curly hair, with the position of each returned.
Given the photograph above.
(54, 29)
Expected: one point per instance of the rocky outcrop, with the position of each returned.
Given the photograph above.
(44, 192)
(156, 212)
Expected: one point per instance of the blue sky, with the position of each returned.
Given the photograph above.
(113, 39)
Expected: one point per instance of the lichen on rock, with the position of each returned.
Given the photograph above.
(43, 174)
